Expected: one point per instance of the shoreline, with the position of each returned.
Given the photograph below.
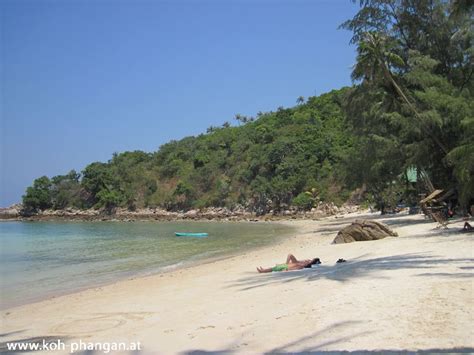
(196, 261)
(14, 213)
(411, 292)
(162, 269)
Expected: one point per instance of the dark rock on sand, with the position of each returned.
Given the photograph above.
(362, 230)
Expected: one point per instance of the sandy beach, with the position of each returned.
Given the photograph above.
(411, 292)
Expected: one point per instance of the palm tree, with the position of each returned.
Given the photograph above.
(241, 118)
(300, 100)
(374, 60)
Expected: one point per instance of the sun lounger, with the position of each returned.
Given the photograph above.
(440, 218)
(426, 212)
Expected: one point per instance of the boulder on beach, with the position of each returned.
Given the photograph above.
(362, 230)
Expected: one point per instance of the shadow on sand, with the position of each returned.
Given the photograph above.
(333, 226)
(320, 337)
(358, 268)
(355, 352)
(396, 220)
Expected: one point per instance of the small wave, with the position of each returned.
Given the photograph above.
(172, 266)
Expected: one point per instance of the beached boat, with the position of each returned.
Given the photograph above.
(184, 234)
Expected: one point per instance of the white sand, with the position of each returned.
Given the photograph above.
(406, 293)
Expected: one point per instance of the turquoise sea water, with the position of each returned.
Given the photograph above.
(40, 259)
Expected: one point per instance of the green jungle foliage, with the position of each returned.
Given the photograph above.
(411, 108)
(262, 165)
(413, 103)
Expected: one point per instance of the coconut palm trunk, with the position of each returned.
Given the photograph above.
(388, 75)
(373, 60)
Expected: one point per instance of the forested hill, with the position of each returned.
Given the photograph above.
(266, 162)
(404, 128)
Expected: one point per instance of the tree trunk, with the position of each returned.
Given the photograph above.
(389, 76)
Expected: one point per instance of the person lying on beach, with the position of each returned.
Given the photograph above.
(291, 264)
(467, 227)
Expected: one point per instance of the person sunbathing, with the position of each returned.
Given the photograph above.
(291, 264)
(467, 227)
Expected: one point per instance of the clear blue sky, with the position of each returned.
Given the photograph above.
(81, 80)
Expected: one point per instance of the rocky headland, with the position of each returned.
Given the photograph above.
(15, 212)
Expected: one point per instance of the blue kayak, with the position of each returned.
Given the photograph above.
(179, 234)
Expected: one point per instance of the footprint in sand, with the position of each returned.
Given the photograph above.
(86, 326)
(246, 324)
(101, 322)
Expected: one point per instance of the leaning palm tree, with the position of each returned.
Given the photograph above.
(375, 58)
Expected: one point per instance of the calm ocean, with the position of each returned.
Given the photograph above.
(41, 259)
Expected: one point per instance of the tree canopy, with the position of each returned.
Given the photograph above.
(262, 165)
(413, 99)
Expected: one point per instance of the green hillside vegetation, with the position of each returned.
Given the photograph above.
(411, 108)
(263, 164)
